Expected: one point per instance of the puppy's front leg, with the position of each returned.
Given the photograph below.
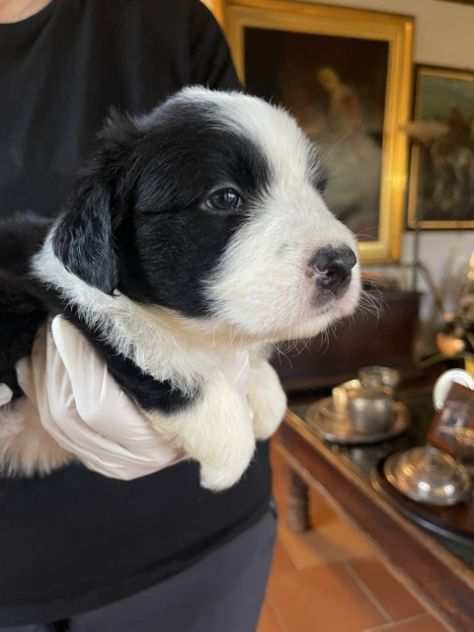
(216, 430)
(266, 397)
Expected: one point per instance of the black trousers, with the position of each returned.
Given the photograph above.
(223, 591)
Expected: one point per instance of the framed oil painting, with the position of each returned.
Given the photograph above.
(346, 76)
(441, 194)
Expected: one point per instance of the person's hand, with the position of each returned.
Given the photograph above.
(85, 411)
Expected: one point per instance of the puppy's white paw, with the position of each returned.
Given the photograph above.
(267, 399)
(216, 430)
(220, 477)
(232, 449)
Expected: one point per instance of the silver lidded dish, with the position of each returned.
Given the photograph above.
(428, 475)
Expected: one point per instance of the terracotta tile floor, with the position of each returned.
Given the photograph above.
(330, 580)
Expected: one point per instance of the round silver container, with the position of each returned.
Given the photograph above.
(429, 476)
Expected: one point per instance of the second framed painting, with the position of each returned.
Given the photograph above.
(346, 76)
(441, 195)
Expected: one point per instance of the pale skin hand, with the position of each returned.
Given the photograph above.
(17, 10)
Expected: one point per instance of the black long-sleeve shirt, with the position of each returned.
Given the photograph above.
(75, 540)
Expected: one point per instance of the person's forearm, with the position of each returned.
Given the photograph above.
(16, 10)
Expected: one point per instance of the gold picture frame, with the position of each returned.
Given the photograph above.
(468, 2)
(395, 33)
(439, 169)
(217, 8)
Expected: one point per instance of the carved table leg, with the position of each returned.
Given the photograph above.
(298, 519)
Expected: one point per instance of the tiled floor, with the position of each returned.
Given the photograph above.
(330, 580)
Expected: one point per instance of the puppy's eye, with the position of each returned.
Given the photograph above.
(224, 200)
(322, 183)
(320, 180)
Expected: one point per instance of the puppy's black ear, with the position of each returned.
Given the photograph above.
(84, 237)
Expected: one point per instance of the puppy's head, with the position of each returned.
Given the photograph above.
(212, 207)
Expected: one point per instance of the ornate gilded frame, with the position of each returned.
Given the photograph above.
(397, 31)
(217, 8)
(416, 156)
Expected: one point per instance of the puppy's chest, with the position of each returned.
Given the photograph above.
(235, 367)
(170, 380)
(171, 396)
(231, 368)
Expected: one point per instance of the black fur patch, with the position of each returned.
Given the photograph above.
(84, 238)
(20, 317)
(21, 312)
(136, 221)
(21, 236)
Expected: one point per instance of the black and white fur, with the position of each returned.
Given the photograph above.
(176, 281)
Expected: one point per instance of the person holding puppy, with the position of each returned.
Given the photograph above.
(80, 551)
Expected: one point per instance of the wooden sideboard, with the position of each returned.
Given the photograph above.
(439, 572)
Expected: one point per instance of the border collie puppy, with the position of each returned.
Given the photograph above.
(196, 237)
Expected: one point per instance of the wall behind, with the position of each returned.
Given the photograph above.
(444, 36)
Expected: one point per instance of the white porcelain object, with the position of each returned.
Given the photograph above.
(445, 381)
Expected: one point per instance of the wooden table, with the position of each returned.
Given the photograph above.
(438, 577)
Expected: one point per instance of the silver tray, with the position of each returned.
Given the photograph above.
(338, 428)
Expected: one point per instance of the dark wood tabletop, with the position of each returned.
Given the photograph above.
(441, 576)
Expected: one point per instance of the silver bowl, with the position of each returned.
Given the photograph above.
(429, 476)
(335, 428)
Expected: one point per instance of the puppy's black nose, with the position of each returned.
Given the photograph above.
(333, 268)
